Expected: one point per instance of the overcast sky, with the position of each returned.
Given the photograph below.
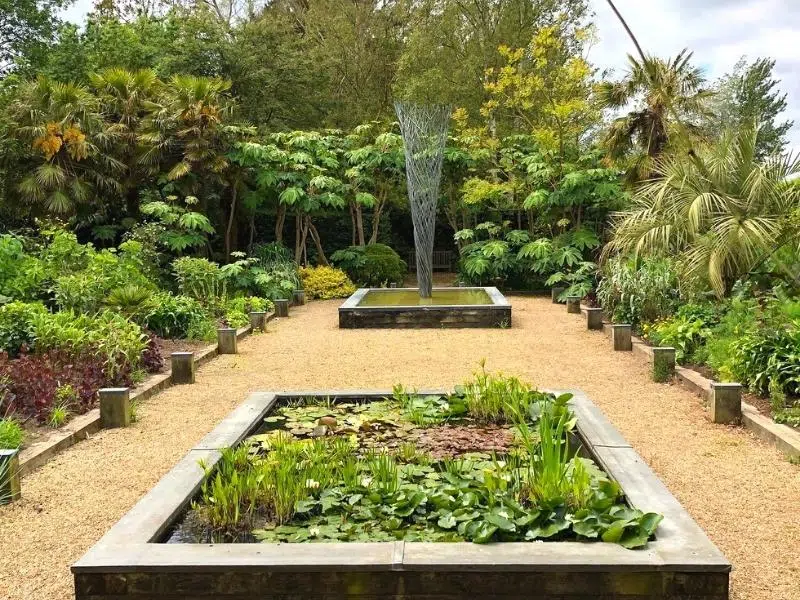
(718, 31)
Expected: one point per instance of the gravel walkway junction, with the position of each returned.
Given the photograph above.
(742, 492)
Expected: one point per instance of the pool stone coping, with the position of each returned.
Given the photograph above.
(496, 314)
(681, 554)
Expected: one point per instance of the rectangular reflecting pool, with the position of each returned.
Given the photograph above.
(439, 297)
(132, 562)
(404, 309)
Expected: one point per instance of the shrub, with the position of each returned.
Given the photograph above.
(326, 282)
(199, 278)
(17, 326)
(11, 434)
(86, 290)
(113, 340)
(375, 265)
(237, 309)
(30, 382)
(152, 361)
(641, 293)
(767, 359)
(170, 316)
(685, 334)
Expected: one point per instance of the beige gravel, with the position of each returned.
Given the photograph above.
(743, 493)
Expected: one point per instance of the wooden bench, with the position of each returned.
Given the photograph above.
(442, 260)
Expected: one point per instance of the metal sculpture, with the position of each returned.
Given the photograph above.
(424, 130)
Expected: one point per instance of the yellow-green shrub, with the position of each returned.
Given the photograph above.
(326, 282)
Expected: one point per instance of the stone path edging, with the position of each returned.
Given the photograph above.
(82, 426)
(784, 438)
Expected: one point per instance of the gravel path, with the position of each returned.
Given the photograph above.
(743, 493)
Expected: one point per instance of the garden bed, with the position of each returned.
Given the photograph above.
(407, 553)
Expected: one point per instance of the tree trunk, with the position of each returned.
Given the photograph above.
(352, 224)
(315, 236)
(231, 218)
(298, 235)
(252, 232)
(376, 217)
(359, 225)
(280, 219)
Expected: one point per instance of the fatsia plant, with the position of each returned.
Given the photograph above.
(721, 209)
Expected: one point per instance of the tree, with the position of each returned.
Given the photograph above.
(546, 88)
(26, 26)
(376, 172)
(750, 93)
(721, 210)
(669, 98)
(73, 162)
(453, 43)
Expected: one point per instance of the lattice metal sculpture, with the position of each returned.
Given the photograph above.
(424, 129)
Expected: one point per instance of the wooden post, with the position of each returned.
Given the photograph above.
(226, 340)
(462, 284)
(574, 305)
(594, 318)
(726, 402)
(10, 487)
(555, 292)
(281, 308)
(392, 285)
(183, 368)
(115, 407)
(621, 337)
(298, 297)
(258, 320)
(663, 363)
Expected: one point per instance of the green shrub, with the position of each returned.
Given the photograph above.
(684, 334)
(11, 434)
(637, 294)
(87, 290)
(17, 326)
(170, 316)
(375, 265)
(199, 278)
(767, 359)
(117, 342)
(326, 282)
(237, 310)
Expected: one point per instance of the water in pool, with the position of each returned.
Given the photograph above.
(454, 296)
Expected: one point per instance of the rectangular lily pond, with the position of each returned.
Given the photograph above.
(447, 307)
(494, 490)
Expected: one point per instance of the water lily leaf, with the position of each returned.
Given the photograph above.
(448, 521)
(501, 522)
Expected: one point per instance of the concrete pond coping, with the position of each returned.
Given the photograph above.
(495, 314)
(130, 559)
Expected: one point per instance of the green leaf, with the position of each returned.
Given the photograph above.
(500, 522)
(448, 521)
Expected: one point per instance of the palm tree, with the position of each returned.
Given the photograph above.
(720, 210)
(125, 97)
(670, 95)
(64, 125)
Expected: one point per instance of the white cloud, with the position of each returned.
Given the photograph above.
(718, 31)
